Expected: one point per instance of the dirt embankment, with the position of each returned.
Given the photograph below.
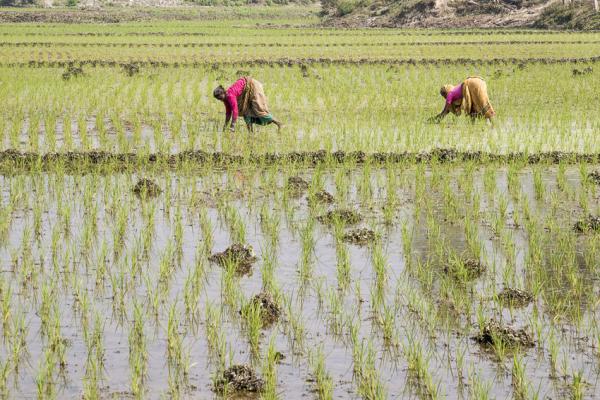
(543, 14)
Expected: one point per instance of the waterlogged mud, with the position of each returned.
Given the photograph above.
(594, 176)
(341, 216)
(591, 223)
(494, 333)
(12, 160)
(139, 272)
(465, 269)
(320, 197)
(294, 63)
(146, 188)
(362, 236)
(584, 71)
(296, 185)
(269, 309)
(515, 297)
(72, 72)
(239, 379)
(240, 256)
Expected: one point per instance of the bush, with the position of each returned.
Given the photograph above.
(345, 7)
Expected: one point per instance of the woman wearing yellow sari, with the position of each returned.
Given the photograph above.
(470, 98)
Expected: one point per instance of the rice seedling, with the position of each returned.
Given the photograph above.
(105, 288)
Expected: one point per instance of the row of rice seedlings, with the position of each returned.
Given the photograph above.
(111, 112)
(121, 285)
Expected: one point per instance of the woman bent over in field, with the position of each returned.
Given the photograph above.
(470, 97)
(245, 97)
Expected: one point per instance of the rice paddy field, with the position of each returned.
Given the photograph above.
(360, 253)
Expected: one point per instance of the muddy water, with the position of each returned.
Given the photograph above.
(444, 332)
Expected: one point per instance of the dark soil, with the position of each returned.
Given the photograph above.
(270, 311)
(585, 71)
(131, 69)
(320, 197)
(296, 185)
(146, 188)
(360, 236)
(468, 268)
(344, 216)
(493, 332)
(322, 61)
(594, 176)
(13, 160)
(515, 297)
(239, 378)
(588, 224)
(72, 72)
(240, 255)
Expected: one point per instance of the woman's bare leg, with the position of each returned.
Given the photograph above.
(279, 124)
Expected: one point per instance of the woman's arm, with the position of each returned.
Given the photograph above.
(232, 100)
(444, 112)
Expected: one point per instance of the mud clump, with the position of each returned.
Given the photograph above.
(360, 237)
(296, 185)
(346, 217)
(239, 378)
(241, 256)
(587, 224)
(269, 310)
(585, 71)
(469, 268)
(594, 176)
(494, 333)
(72, 72)
(146, 188)
(320, 197)
(515, 297)
(131, 69)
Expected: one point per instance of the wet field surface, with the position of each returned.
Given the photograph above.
(412, 281)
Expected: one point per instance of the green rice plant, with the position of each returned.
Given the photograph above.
(538, 183)
(578, 386)
(252, 315)
(407, 243)
(323, 380)
(5, 369)
(519, 380)
(478, 388)
(305, 265)
(270, 370)
(343, 267)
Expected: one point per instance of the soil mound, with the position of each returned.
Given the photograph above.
(469, 268)
(594, 176)
(320, 197)
(344, 216)
(296, 185)
(360, 237)
(515, 297)
(269, 310)
(239, 378)
(588, 224)
(493, 332)
(241, 256)
(131, 69)
(72, 72)
(146, 188)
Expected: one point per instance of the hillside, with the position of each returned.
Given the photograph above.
(460, 14)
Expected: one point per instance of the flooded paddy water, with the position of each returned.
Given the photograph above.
(360, 252)
(459, 280)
